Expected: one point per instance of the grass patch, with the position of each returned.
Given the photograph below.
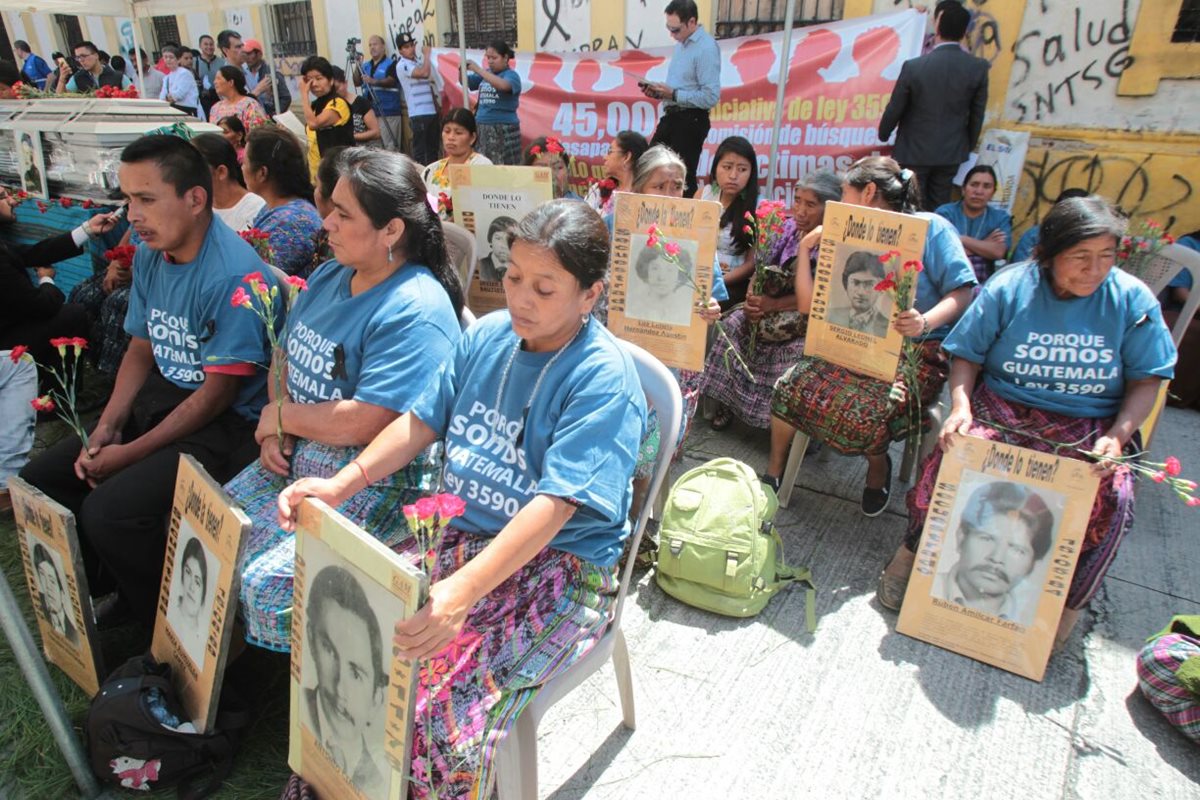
(31, 765)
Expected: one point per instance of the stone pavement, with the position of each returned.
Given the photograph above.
(758, 708)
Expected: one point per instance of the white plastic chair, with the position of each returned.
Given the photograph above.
(516, 756)
(460, 244)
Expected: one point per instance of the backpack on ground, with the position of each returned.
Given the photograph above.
(718, 548)
(138, 737)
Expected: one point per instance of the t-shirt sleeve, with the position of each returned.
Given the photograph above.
(720, 291)
(1004, 225)
(436, 401)
(238, 334)
(399, 356)
(949, 267)
(947, 210)
(514, 80)
(135, 312)
(976, 330)
(1147, 349)
(593, 452)
(343, 111)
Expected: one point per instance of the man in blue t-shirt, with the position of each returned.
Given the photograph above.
(378, 82)
(34, 68)
(189, 382)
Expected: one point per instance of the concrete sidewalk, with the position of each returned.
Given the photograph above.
(760, 709)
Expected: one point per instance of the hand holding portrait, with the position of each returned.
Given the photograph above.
(326, 490)
(430, 630)
(958, 422)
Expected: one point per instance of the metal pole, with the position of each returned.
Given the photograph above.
(780, 93)
(462, 55)
(138, 67)
(268, 24)
(38, 678)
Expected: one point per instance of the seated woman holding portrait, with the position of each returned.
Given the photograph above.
(985, 231)
(363, 339)
(781, 327)
(854, 414)
(541, 411)
(1071, 291)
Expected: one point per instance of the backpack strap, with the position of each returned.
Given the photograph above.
(785, 575)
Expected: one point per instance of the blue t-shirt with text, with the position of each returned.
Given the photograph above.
(979, 227)
(381, 346)
(946, 268)
(576, 439)
(496, 108)
(1070, 356)
(185, 312)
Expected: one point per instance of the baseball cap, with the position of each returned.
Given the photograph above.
(403, 39)
(251, 44)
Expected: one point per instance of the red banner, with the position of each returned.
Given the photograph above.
(838, 81)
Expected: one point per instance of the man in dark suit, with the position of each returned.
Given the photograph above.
(938, 102)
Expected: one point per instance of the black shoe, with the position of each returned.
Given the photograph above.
(770, 480)
(874, 501)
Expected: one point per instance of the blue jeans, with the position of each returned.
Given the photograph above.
(18, 387)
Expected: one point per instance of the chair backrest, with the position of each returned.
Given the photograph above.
(1165, 265)
(663, 395)
(1182, 259)
(460, 244)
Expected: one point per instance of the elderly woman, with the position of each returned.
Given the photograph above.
(276, 170)
(388, 308)
(853, 414)
(781, 328)
(619, 162)
(985, 231)
(1071, 290)
(541, 412)
(230, 85)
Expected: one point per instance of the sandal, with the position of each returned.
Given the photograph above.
(722, 419)
(893, 581)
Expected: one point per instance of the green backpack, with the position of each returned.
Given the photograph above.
(718, 548)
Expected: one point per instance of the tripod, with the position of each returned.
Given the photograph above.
(354, 62)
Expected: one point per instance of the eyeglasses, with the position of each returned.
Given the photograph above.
(674, 29)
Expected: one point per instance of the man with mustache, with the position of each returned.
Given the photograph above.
(1005, 530)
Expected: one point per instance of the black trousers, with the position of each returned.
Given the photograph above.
(122, 523)
(684, 131)
(937, 183)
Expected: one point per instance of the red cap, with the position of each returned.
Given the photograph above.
(251, 44)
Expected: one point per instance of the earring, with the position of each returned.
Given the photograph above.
(389, 254)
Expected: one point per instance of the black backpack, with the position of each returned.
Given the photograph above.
(132, 741)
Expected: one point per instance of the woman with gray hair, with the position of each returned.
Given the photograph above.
(780, 340)
(541, 411)
(362, 340)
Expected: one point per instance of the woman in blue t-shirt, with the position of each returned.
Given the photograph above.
(362, 341)
(1069, 349)
(985, 231)
(853, 414)
(541, 411)
(499, 95)
(276, 170)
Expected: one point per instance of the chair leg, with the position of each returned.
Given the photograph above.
(795, 458)
(911, 451)
(620, 658)
(516, 761)
(659, 501)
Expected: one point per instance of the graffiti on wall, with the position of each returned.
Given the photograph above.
(1069, 56)
(984, 36)
(563, 25)
(414, 17)
(1143, 185)
(645, 25)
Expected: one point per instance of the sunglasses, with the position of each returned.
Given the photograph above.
(674, 29)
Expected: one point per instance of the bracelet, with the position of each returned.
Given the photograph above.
(363, 470)
(924, 325)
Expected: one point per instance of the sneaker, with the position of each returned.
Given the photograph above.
(874, 501)
(893, 581)
(770, 480)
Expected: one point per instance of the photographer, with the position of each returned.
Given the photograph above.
(418, 96)
(378, 82)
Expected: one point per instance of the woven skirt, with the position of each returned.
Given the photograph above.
(852, 413)
(1158, 669)
(268, 564)
(530, 628)
(748, 397)
(1112, 513)
(501, 143)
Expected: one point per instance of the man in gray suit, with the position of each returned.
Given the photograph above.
(938, 102)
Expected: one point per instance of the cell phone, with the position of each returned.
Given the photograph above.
(119, 213)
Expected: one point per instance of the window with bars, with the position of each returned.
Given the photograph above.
(485, 21)
(752, 17)
(294, 32)
(166, 31)
(70, 30)
(1187, 26)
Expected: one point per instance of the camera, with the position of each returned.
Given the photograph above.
(352, 45)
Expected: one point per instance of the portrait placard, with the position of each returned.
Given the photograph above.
(489, 201)
(351, 700)
(197, 599)
(850, 323)
(31, 163)
(57, 584)
(652, 302)
(1001, 540)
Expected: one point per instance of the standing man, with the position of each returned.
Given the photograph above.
(230, 43)
(378, 75)
(152, 79)
(938, 102)
(92, 73)
(258, 79)
(34, 69)
(418, 96)
(693, 87)
(207, 66)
